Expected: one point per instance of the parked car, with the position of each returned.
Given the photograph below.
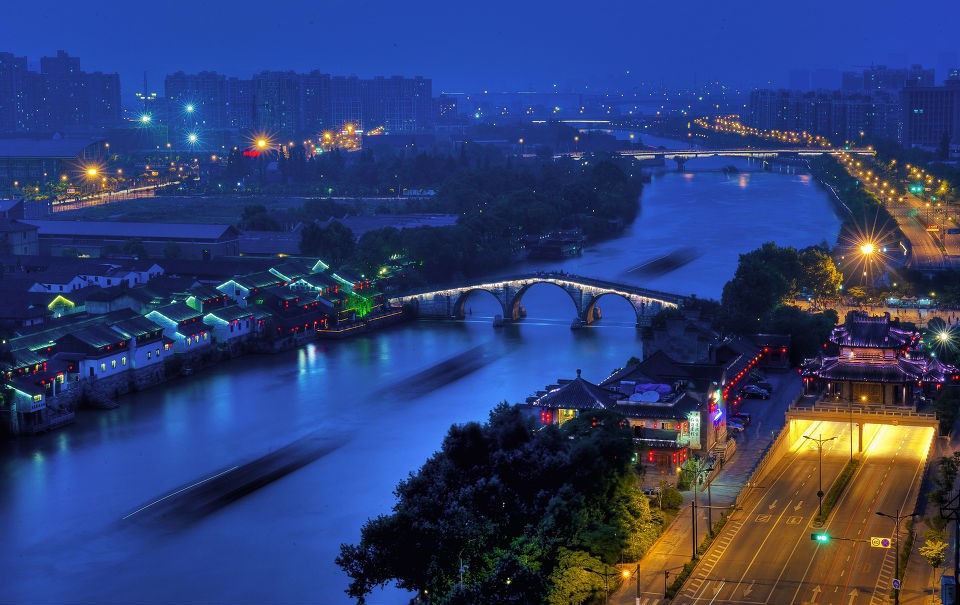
(733, 424)
(755, 392)
(651, 492)
(741, 418)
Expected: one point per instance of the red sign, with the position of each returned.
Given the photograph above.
(251, 153)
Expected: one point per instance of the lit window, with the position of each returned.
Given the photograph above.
(113, 363)
(103, 367)
(206, 336)
(158, 352)
(38, 398)
(123, 360)
(149, 354)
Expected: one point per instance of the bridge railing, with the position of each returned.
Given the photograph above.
(846, 410)
(553, 276)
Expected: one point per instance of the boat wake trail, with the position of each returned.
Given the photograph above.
(661, 265)
(199, 499)
(440, 374)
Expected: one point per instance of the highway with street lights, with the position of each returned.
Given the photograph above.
(768, 552)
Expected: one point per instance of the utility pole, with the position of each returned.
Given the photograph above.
(896, 544)
(820, 441)
(951, 512)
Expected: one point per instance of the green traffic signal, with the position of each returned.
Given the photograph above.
(823, 538)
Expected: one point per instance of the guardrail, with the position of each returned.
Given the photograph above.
(817, 409)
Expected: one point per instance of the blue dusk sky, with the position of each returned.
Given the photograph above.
(493, 44)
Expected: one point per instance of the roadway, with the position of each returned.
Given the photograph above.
(925, 252)
(765, 554)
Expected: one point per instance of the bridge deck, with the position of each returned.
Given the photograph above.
(863, 414)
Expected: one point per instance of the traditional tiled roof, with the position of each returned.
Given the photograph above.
(96, 336)
(320, 280)
(578, 394)
(232, 313)
(178, 312)
(862, 330)
(291, 270)
(676, 409)
(136, 327)
(659, 367)
(896, 371)
(205, 292)
(258, 280)
(937, 371)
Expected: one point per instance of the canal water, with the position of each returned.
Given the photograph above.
(93, 513)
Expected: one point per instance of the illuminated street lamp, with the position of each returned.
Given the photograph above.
(636, 572)
(606, 575)
(820, 441)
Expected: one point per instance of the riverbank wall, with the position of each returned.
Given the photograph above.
(106, 393)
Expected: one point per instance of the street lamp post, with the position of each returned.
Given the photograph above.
(820, 441)
(896, 545)
(636, 572)
(700, 469)
(606, 580)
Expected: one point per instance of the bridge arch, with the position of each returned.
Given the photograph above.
(589, 311)
(449, 303)
(459, 306)
(513, 308)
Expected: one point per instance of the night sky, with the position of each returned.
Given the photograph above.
(494, 44)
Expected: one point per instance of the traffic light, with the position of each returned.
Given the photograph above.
(821, 537)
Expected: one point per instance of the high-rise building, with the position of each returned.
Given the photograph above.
(240, 102)
(277, 102)
(103, 99)
(396, 104)
(833, 114)
(60, 97)
(66, 101)
(345, 101)
(197, 100)
(851, 82)
(13, 111)
(931, 115)
(315, 103)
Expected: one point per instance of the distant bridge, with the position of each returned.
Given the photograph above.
(585, 292)
(680, 156)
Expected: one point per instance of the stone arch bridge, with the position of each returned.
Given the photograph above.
(585, 292)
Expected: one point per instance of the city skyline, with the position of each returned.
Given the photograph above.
(497, 46)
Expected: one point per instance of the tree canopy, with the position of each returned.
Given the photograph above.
(519, 510)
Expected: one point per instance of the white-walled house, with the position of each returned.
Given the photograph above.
(147, 345)
(184, 326)
(103, 352)
(231, 324)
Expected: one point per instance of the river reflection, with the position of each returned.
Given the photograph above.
(64, 496)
